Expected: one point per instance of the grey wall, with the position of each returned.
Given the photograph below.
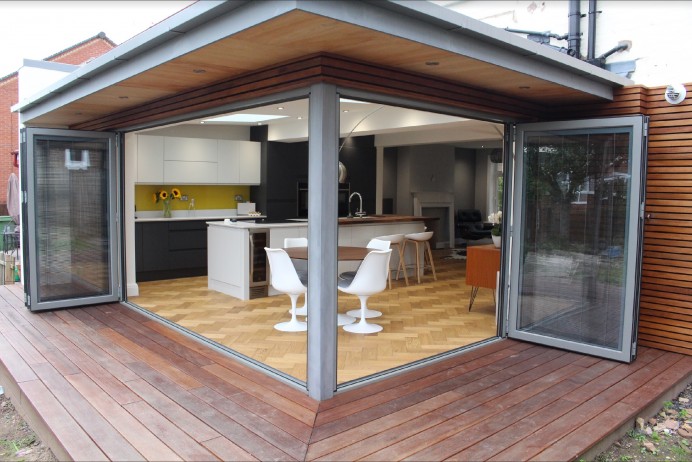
(481, 199)
(423, 168)
(464, 178)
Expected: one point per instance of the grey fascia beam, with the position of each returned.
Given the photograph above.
(172, 39)
(438, 27)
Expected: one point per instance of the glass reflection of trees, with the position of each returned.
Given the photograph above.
(576, 192)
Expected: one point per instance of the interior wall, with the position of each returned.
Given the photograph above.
(481, 186)
(464, 178)
(223, 132)
(389, 179)
(423, 168)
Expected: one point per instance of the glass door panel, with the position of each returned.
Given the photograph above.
(70, 219)
(576, 245)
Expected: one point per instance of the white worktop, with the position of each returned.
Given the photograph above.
(258, 224)
(182, 215)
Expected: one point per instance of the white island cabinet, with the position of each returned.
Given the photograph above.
(230, 256)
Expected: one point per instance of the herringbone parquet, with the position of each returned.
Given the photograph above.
(419, 321)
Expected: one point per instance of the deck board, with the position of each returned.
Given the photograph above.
(108, 383)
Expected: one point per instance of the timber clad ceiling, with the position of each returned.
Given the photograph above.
(299, 34)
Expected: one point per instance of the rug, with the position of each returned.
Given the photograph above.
(456, 254)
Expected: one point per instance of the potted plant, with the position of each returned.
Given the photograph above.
(496, 231)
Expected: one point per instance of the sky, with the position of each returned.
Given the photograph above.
(38, 29)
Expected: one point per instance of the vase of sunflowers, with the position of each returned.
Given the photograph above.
(165, 198)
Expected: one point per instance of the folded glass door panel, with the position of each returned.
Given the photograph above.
(69, 218)
(577, 235)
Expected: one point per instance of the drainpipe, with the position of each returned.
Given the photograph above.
(574, 34)
(591, 53)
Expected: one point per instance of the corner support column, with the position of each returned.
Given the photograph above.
(322, 240)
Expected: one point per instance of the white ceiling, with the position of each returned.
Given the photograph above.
(392, 126)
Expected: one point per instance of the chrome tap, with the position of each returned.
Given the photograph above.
(360, 212)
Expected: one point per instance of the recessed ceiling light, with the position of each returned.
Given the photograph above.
(345, 110)
(124, 97)
(524, 87)
(280, 108)
(245, 118)
(300, 117)
(199, 71)
(432, 63)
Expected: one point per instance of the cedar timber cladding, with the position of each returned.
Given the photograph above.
(665, 316)
(665, 305)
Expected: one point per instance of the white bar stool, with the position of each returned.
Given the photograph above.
(424, 240)
(396, 240)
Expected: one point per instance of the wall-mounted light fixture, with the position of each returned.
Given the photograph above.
(675, 93)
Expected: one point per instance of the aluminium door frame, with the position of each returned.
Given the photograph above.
(638, 145)
(28, 219)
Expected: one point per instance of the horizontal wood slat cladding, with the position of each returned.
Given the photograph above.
(320, 68)
(665, 306)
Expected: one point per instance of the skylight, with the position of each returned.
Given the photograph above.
(245, 118)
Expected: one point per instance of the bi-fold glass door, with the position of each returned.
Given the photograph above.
(69, 218)
(576, 235)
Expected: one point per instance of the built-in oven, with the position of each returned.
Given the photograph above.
(343, 193)
(259, 274)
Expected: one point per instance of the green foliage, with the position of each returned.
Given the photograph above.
(667, 405)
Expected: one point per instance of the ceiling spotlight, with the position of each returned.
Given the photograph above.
(124, 97)
(198, 71)
(345, 110)
(280, 108)
(524, 87)
(432, 63)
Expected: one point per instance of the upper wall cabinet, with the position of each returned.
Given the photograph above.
(149, 159)
(239, 162)
(189, 160)
(171, 159)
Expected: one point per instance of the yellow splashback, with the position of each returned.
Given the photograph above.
(206, 196)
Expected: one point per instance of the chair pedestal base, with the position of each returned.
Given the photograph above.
(292, 326)
(363, 327)
(343, 319)
(367, 314)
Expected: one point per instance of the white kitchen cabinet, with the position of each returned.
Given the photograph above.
(177, 171)
(238, 162)
(179, 160)
(190, 149)
(190, 160)
(149, 159)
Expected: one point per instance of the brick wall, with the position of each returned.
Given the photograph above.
(9, 95)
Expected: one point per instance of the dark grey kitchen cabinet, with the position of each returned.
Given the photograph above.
(170, 249)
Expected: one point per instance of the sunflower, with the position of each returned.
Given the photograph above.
(163, 195)
(175, 192)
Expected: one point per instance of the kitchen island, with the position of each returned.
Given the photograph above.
(237, 266)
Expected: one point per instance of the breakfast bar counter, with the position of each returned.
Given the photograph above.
(235, 268)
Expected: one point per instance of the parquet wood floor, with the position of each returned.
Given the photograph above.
(419, 321)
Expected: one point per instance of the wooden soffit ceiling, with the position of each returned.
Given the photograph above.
(291, 36)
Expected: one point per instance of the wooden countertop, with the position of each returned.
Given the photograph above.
(383, 219)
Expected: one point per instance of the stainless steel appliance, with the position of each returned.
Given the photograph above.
(259, 274)
(343, 193)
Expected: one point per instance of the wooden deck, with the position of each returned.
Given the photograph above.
(107, 383)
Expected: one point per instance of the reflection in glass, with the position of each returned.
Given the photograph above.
(72, 226)
(572, 273)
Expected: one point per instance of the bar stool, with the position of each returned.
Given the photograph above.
(396, 240)
(424, 240)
